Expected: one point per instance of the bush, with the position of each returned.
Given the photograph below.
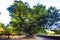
(57, 31)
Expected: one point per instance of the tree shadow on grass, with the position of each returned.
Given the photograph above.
(2, 37)
(20, 38)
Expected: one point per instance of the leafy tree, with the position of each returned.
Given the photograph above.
(26, 19)
(2, 30)
(52, 17)
(11, 30)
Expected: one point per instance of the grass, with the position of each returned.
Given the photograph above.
(15, 37)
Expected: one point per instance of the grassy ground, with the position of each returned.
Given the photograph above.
(15, 37)
(23, 37)
(57, 35)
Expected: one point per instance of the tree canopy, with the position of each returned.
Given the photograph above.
(52, 16)
(26, 19)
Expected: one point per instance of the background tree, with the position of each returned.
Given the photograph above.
(52, 17)
(57, 31)
(26, 19)
(2, 28)
(11, 30)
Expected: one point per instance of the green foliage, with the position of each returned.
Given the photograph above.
(57, 31)
(11, 30)
(42, 32)
(52, 17)
(26, 19)
(2, 28)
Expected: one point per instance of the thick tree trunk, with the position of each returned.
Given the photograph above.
(8, 36)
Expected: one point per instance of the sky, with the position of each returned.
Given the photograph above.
(4, 4)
